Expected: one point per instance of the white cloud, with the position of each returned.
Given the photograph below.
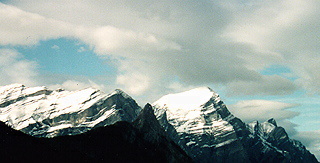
(134, 83)
(307, 69)
(286, 30)
(259, 22)
(188, 46)
(15, 69)
(267, 85)
(108, 40)
(201, 42)
(23, 28)
(30, 28)
(262, 110)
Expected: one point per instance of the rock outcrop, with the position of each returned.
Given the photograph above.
(119, 142)
(200, 123)
(48, 113)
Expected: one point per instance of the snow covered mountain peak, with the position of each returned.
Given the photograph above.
(195, 107)
(187, 100)
(48, 113)
(198, 121)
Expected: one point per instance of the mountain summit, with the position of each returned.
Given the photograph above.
(100, 126)
(48, 113)
(200, 123)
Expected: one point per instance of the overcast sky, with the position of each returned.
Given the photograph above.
(262, 57)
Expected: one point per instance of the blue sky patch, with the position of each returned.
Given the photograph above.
(67, 56)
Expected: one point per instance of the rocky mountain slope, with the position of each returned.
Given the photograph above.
(97, 126)
(200, 123)
(268, 142)
(119, 142)
(48, 113)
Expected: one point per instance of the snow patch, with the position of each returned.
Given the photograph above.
(186, 101)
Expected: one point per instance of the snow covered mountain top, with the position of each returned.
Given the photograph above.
(198, 121)
(187, 101)
(186, 110)
(40, 111)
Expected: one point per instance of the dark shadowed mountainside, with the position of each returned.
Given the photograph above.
(121, 142)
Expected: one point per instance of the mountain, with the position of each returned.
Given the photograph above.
(269, 143)
(200, 123)
(120, 142)
(48, 113)
(151, 131)
(89, 125)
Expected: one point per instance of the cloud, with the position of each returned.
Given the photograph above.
(267, 85)
(262, 110)
(259, 22)
(168, 53)
(287, 30)
(15, 69)
(108, 40)
(307, 69)
(200, 43)
(134, 83)
(24, 28)
(29, 29)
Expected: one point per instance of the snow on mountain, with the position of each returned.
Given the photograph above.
(187, 100)
(48, 113)
(268, 139)
(187, 110)
(199, 122)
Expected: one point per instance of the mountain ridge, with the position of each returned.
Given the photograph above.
(49, 113)
(118, 142)
(197, 121)
(222, 137)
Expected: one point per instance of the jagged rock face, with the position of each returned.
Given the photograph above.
(199, 122)
(48, 113)
(147, 123)
(268, 142)
(152, 132)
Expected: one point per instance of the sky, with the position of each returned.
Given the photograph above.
(262, 57)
